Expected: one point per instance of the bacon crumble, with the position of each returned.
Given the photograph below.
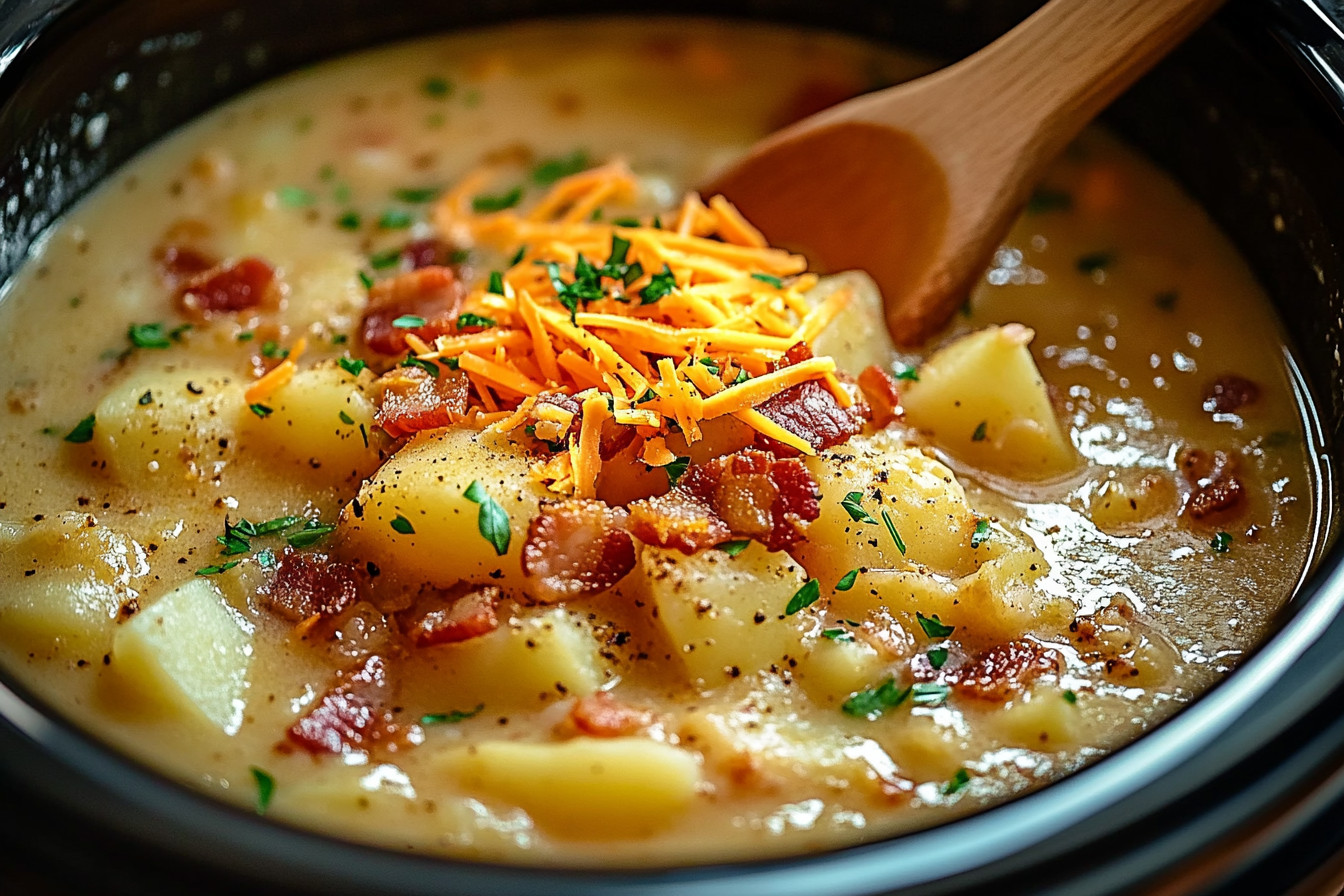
(352, 716)
(413, 400)
(308, 585)
(244, 284)
(469, 616)
(433, 293)
(576, 548)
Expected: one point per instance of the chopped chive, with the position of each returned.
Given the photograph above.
(428, 367)
(395, 219)
(957, 782)
(246, 336)
(891, 527)
(437, 87)
(383, 260)
(346, 419)
(272, 349)
(467, 319)
(770, 279)
(365, 280)
(518, 256)
(498, 202)
(449, 718)
(905, 371)
(352, 366)
(929, 693)
(837, 634)
(733, 548)
(216, 570)
(548, 171)
(310, 534)
(1070, 697)
(148, 335)
(850, 503)
(265, 789)
(261, 410)
(415, 195)
(660, 285)
(496, 283)
(873, 702)
(349, 220)
(294, 197)
(805, 596)
(847, 580)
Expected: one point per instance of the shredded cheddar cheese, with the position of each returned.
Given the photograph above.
(660, 329)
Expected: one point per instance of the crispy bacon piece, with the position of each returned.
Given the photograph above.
(1003, 671)
(809, 411)
(1218, 493)
(575, 548)
(469, 616)
(883, 397)
(677, 520)
(433, 293)
(352, 716)
(750, 494)
(602, 715)
(426, 253)
(178, 263)
(1230, 393)
(244, 284)
(308, 585)
(414, 399)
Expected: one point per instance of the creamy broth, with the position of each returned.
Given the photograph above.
(1122, 603)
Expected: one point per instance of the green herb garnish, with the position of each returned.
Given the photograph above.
(957, 782)
(147, 398)
(265, 789)
(929, 693)
(733, 548)
(805, 596)
(548, 171)
(676, 469)
(437, 87)
(272, 349)
(496, 283)
(937, 657)
(148, 335)
(312, 532)
(352, 366)
(1221, 543)
(847, 580)
(496, 203)
(873, 702)
(449, 718)
(980, 431)
(409, 322)
(349, 221)
(381, 261)
(83, 431)
(770, 279)
(492, 521)
(346, 418)
(981, 533)
(294, 197)
(395, 219)
(660, 285)
(891, 527)
(402, 525)
(837, 634)
(216, 570)
(415, 195)
(905, 371)
(1070, 697)
(467, 319)
(261, 410)
(428, 367)
(850, 503)
(934, 627)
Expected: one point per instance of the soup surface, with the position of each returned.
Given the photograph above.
(327, 488)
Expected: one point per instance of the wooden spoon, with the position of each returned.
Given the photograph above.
(917, 184)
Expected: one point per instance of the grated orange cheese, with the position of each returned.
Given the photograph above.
(277, 376)
(628, 341)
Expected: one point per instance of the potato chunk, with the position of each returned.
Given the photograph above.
(165, 423)
(725, 615)
(586, 787)
(322, 421)
(858, 336)
(413, 515)
(65, 582)
(188, 653)
(527, 661)
(984, 402)
(925, 502)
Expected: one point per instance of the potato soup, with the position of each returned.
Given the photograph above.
(404, 451)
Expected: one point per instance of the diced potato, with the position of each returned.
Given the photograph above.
(993, 605)
(527, 661)
(858, 336)
(422, 488)
(322, 421)
(166, 423)
(586, 787)
(1040, 720)
(926, 750)
(188, 653)
(725, 615)
(1124, 505)
(765, 754)
(65, 583)
(831, 670)
(984, 402)
(321, 289)
(357, 801)
(926, 504)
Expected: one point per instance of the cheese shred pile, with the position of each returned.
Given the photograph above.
(659, 326)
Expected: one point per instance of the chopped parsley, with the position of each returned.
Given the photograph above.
(261, 410)
(148, 335)
(847, 580)
(467, 319)
(937, 657)
(365, 280)
(492, 521)
(905, 371)
(957, 782)
(350, 220)
(934, 627)
(837, 634)
(891, 528)
(770, 279)
(496, 283)
(415, 195)
(873, 702)
(83, 431)
(437, 87)
(402, 525)
(216, 570)
(409, 322)
(676, 469)
(428, 367)
(518, 256)
(497, 202)
(381, 261)
(980, 431)
(548, 171)
(1094, 263)
(805, 596)
(312, 532)
(709, 364)
(295, 197)
(451, 717)
(929, 693)
(395, 219)
(346, 418)
(272, 349)
(1221, 543)
(265, 788)
(1070, 697)
(981, 533)
(246, 336)
(733, 548)
(660, 285)
(850, 503)
(352, 366)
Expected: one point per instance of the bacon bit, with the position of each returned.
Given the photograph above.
(413, 400)
(352, 715)
(750, 494)
(1218, 493)
(809, 411)
(1003, 671)
(433, 293)
(178, 263)
(1230, 393)
(469, 616)
(576, 548)
(427, 253)
(309, 585)
(679, 521)
(880, 391)
(602, 715)
(244, 284)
